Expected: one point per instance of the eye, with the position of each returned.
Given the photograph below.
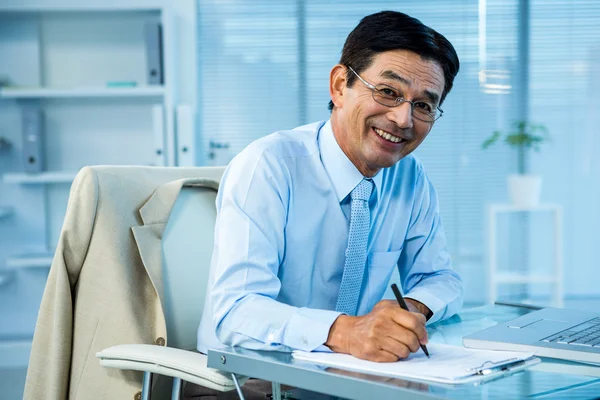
(424, 106)
(388, 91)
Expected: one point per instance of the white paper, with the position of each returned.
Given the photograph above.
(447, 363)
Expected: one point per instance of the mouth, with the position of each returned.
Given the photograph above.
(388, 136)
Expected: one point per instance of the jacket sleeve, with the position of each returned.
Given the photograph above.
(50, 359)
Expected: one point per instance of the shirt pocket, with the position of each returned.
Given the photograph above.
(380, 266)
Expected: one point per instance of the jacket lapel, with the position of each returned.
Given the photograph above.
(147, 239)
(155, 215)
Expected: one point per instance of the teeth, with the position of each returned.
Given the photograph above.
(387, 136)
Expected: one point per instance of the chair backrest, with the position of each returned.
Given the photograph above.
(187, 247)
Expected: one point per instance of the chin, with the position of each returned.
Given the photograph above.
(388, 163)
(387, 159)
(395, 160)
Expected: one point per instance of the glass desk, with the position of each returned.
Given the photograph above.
(551, 379)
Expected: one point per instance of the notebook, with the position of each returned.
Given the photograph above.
(448, 364)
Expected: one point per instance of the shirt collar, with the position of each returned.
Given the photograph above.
(343, 174)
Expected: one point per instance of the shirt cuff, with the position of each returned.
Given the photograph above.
(437, 306)
(308, 329)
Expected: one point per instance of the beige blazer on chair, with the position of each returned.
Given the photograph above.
(105, 282)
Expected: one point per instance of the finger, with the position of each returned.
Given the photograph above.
(412, 322)
(376, 354)
(410, 339)
(385, 356)
(393, 306)
(403, 336)
(423, 320)
(399, 348)
(388, 303)
(420, 317)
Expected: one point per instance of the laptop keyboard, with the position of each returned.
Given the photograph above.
(586, 334)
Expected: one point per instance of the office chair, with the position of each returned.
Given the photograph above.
(187, 245)
(115, 281)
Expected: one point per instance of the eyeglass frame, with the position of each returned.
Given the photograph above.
(398, 100)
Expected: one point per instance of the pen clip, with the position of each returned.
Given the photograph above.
(491, 364)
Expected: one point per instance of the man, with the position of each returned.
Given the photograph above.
(312, 222)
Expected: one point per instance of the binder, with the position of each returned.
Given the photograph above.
(158, 131)
(32, 138)
(186, 136)
(154, 53)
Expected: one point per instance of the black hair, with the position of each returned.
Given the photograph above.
(392, 30)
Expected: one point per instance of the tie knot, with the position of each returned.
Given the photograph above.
(363, 190)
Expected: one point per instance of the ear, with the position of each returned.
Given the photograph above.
(337, 84)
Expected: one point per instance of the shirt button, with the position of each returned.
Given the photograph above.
(137, 396)
(160, 341)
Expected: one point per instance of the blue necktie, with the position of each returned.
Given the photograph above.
(356, 253)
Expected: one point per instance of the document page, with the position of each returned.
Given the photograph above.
(447, 363)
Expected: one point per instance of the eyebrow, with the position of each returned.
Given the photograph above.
(432, 96)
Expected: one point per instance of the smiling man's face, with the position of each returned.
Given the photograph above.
(372, 135)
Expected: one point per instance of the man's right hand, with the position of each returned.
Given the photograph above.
(386, 334)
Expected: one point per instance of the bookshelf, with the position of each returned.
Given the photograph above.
(83, 66)
(83, 70)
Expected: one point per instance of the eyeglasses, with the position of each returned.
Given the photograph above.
(390, 97)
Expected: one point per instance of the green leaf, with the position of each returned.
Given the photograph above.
(523, 135)
(491, 140)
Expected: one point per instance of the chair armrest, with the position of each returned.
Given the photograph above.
(189, 366)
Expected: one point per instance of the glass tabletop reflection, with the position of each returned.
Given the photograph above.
(551, 379)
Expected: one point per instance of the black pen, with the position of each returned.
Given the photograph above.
(405, 307)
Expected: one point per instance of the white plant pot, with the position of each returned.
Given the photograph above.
(525, 189)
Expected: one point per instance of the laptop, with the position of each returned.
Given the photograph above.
(549, 332)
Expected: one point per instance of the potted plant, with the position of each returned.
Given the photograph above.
(524, 188)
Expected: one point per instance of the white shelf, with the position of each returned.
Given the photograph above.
(17, 7)
(14, 352)
(29, 261)
(5, 212)
(41, 178)
(520, 278)
(552, 275)
(80, 92)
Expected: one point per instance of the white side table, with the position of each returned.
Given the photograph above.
(496, 277)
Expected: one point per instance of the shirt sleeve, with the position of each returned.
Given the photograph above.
(425, 264)
(249, 246)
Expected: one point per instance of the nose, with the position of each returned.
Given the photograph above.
(401, 115)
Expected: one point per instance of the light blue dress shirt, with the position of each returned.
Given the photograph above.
(283, 212)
